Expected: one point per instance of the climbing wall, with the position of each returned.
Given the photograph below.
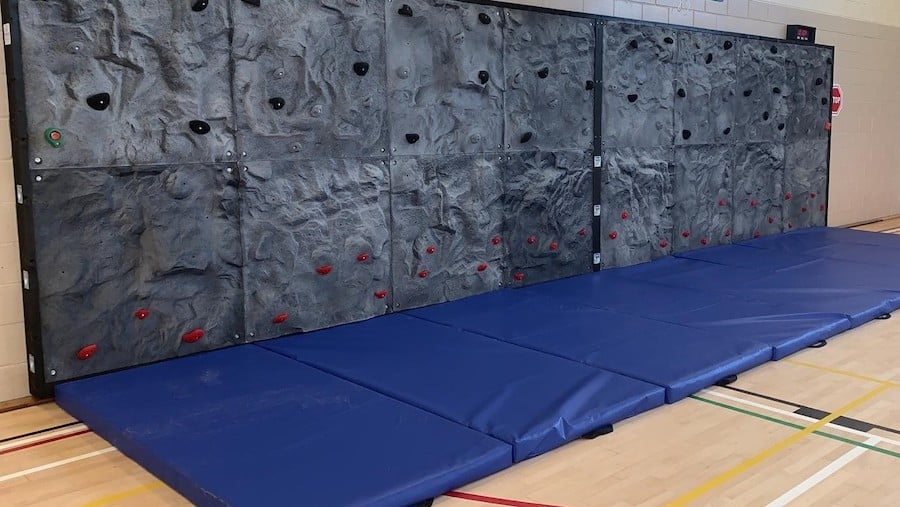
(707, 138)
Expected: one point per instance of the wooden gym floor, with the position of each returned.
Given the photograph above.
(819, 428)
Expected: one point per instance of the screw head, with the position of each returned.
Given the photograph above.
(38, 160)
(229, 154)
(229, 170)
(52, 373)
(237, 336)
(252, 335)
(38, 178)
(245, 168)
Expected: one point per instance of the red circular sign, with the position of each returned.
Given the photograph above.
(837, 100)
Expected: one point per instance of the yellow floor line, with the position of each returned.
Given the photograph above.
(740, 468)
(841, 372)
(108, 500)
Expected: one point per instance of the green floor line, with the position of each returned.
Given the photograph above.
(795, 426)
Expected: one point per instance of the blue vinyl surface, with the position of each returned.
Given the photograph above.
(532, 400)
(805, 240)
(248, 427)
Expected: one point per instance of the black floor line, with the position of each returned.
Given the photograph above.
(38, 432)
(847, 422)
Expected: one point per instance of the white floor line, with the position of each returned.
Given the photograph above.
(42, 436)
(796, 416)
(48, 466)
(821, 475)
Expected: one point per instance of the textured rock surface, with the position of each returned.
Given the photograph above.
(445, 74)
(706, 72)
(549, 60)
(547, 209)
(638, 72)
(763, 92)
(162, 64)
(810, 71)
(304, 53)
(112, 243)
(758, 197)
(316, 244)
(702, 214)
(447, 212)
(637, 199)
(805, 183)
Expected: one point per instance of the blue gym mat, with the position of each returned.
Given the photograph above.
(805, 240)
(247, 427)
(534, 401)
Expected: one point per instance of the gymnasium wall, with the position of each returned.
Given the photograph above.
(16, 368)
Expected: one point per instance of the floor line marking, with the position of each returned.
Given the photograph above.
(820, 476)
(494, 500)
(749, 463)
(39, 432)
(55, 464)
(48, 437)
(795, 415)
(841, 372)
(122, 495)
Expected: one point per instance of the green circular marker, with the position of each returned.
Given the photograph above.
(54, 137)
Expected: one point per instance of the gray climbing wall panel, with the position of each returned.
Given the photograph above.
(316, 244)
(703, 207)
(447, 225)
(810, 71)
(762, 92)
(757, 196)
(705, 88)
(143, 265)
(805, 183)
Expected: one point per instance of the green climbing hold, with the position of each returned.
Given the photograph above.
(54, 137)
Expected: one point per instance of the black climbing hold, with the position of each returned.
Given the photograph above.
(277, 103)
(633, 44)
(709, 58)
(766, 116)
(731, 379)
(361, 68)
(819, 344)
(748, 93)
(686, 134)
(828, 60)
(824, 101)
(886, 316)
(589, 85)
(526, 137)
(776, 90)
(669, 40)
(484, 76)
(727, 131)
(606, 429)
(199, 127)
(99, 101)
(781, 126)
(728, 44)
(682, 93)
(819, 82)
(412, 138)
(199, 5)
(543, 73)
(774, 50)
(633, 97)
(254, 3)
(484, 18)
(405, 10)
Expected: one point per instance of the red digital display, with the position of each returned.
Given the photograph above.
(802, 32)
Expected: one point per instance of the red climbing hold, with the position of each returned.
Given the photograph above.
(757, 234)
(481, 267)
(423, 273)
(381, 294)
(430, 250)
(704, 241)
(281, 318)
(771, 220)
(721, 202)
(787, 196)
(519, 276)
(532, 240)
(821, 207)
(582, 232)
(686, 234)
(613, 235)
(663, 244)
(753, 202)
(554, 246)
(141, 313)
(812, 195)
(193, 336)
(803, 209)
(363, 257)
(496, 240)
(790, 225)
(324, 270)
(624, 215)
(728, 233)
(86, 352)
(828, 126)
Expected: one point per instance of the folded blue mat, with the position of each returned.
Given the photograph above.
(248, 427)
(532, 400)
(805, 240)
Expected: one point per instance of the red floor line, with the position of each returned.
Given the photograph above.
(494, 500)
(45, 441)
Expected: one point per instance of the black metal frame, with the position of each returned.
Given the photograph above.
(38, 383)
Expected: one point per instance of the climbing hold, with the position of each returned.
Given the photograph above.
(727, 131)
(199, 127)
(482, 267)
(430, 250)
(721, 202)
(753, 202)
(728, 44)
(199, 5)
(682, 93)
(669, 40)
(525, 137)
(324, 270)
(363, 257)
(613, 235)
(824, 101)
(531, 240)
(781, 126)
(193, 336)
(543, 73)
(686, 234)
(484, 76)
(589, 85)
(99, 101)
(496, 240)
(624, 215)
(423, 274)
(281, 318)
(412, 138)
(776, 90)
(790, 225)
(554, 246)
(766, 116)
(277, 103)
(86, 352)
(405, 10)
(381, 294)
(664, 244)
(748, 93)
(484, 18)
(812, 195)
(633, 44)
(821, 207)
(141, 313)
(757, 234)
(828, 126)
(728, 233)
(709, 58)
(788, 196)
(819, 81)
(54, 137)
(686, 134)
(254, 3)
(582, 232)
(632, 97)
(771, 220)
(361, 68)
(803, 209)
(519, 277)
(774, 50)
(704, 241)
